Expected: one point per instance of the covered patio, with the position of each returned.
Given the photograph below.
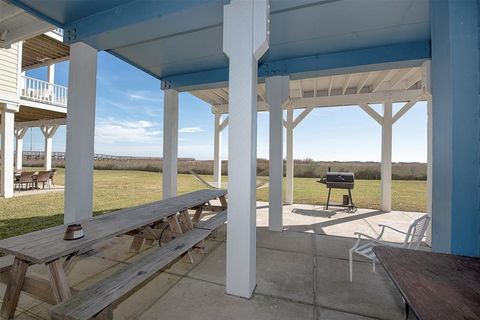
(302, 273)
(307, 53)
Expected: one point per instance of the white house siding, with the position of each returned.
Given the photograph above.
(9, 72)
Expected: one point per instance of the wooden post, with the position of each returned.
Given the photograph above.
(14, 288)
(137, 243)
(223, 202)
(59, 281)
(177, 228)
(198, 214)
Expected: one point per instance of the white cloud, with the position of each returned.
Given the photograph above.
(144, 96)
(117, 131)
(190, 130)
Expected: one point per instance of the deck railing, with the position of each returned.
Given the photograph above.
(58, 31)
(43, 92)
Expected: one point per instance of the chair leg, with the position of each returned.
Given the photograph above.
(350, 258)
(373, 261)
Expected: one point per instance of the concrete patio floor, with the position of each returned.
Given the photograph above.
(302, 273)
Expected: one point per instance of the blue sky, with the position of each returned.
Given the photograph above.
(129, 120)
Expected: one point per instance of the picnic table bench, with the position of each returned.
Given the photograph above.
(48, 247)
(99, 298)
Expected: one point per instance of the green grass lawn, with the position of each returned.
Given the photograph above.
(114, 190)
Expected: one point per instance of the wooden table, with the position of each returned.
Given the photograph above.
(48, 247)
(435, 286)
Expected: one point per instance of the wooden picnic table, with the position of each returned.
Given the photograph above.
(435, 286)
(47, 246)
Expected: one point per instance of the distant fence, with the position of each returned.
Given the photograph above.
(303, 168)
(40, 155)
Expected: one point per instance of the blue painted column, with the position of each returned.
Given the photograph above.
(456, 123)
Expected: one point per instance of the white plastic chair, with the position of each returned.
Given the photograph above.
(413, 239)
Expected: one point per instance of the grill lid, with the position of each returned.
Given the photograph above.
(345, 177)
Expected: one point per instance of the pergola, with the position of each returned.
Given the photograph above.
(403, 85)
(204, 45)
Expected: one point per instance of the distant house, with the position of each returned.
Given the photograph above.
(28, 43)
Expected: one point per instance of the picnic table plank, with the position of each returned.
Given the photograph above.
(47, 245)
(213, 222)
(6, 263)
(435, 286)
(102, 294)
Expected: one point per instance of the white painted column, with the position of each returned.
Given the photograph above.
(7, 136)
(48, 133)
(47, 164)
(51, 80)
(386, 165)
(82, 77)
(277, 93)
(429, 168)
(217, 151)
(170, 143)
(245, 40)
(19, 135)
(290, 163)
(426, 79)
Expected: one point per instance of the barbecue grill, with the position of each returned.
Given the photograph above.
(340, 180)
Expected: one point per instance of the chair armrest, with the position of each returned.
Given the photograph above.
(388, 244)
(366, 236)
(392, 228)
(360, 235)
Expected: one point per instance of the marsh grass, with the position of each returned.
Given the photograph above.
(116, 189)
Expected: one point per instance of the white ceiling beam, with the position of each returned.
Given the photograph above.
(302, 116)
(399, 76)
(46, 63)
(215, 97)
(380, 79)
(416, 76)
(300, 87)
(345, 84)
(372, 113)
(41, 123)
(222, 94)
(363, 81)
(404, 110)
(202, 96)
(355, 99)
(426, 75)
(261, 92)
(330, 85)
(344, 100)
